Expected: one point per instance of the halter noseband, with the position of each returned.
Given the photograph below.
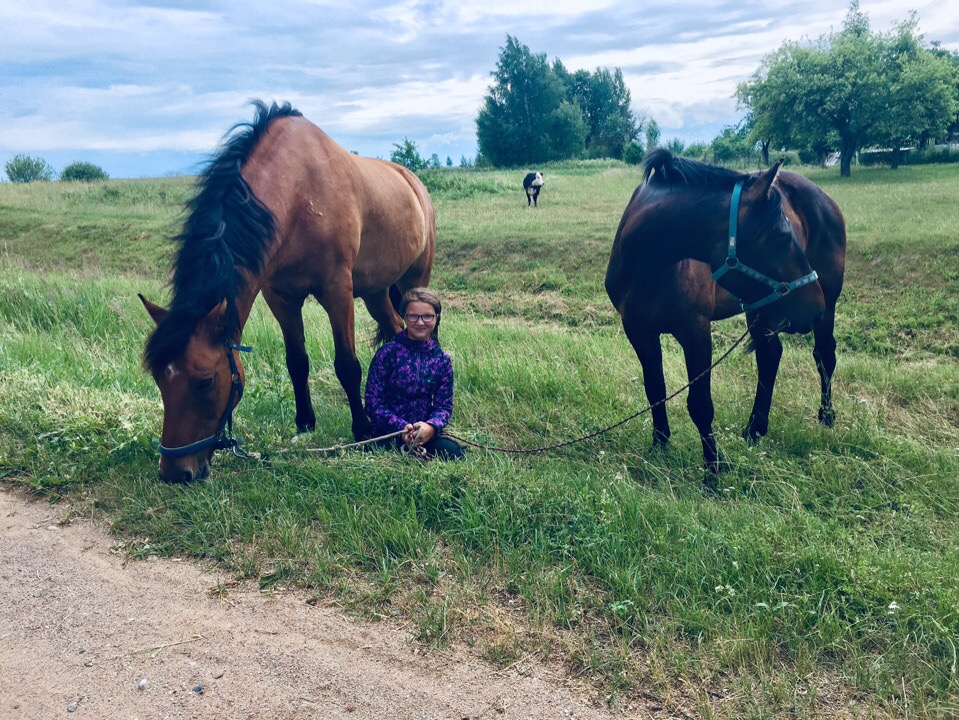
(779, 288)
(223, 438)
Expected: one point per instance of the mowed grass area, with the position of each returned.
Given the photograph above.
(822, 581)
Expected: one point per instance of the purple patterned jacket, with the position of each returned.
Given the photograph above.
(409, 381)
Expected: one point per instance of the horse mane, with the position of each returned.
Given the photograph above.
(226, 233)
(661, 167)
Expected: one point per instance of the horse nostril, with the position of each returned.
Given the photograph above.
(205, 472)
(186, 476)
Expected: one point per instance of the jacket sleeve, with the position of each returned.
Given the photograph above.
(443, 399)
(377, 405)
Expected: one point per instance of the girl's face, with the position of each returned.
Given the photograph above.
(420, 320)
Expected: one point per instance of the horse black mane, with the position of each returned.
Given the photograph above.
(227, 230)
(660, 166)
(672, 170)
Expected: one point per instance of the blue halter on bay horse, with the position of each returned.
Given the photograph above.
(699, 243)
(283, 210)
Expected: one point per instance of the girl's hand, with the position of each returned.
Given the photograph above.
(408, 434)
(422, 432)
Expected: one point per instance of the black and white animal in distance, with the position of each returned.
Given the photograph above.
(532, 184)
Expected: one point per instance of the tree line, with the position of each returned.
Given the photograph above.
(852, 89)
(848, 90)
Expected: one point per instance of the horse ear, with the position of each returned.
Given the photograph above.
(156, 312)
(214, 322)
(765, 180)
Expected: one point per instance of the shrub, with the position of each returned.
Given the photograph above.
(633, 153)
(24, 169)
(83, 171)
(911, 156)
(407, 154)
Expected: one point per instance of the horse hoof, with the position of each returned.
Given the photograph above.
(752, 436)
(711, 480)
(660, 441)
(362, 432)
(827, 416)
(306, 427)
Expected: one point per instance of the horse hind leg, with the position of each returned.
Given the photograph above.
(824, 352)
(769, 351)
(289, 314)
(697, 344)
(649, 350)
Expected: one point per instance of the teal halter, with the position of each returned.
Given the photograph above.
(780, 288)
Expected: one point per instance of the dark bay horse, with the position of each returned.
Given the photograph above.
(283, 210)
(699, 243)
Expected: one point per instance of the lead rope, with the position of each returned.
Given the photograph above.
(645, 410)
(416, 451)
(532, 451)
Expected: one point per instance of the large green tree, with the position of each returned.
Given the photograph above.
(922, 93)
(847, 90)
(606, 104)
(952, 57)
(535, 112)
(514, 125)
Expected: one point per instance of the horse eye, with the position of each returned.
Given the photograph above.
(205, 384)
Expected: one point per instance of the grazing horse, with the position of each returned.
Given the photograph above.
(699, 243)
(283, 210)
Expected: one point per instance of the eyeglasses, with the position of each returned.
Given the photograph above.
(413, 318)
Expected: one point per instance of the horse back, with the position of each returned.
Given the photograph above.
(336, 211)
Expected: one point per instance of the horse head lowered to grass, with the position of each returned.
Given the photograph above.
(699, 243)
(281, 210)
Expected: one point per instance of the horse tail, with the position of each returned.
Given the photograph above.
(224, 239)
(384, 333)
(396, 297)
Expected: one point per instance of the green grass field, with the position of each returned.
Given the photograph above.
(824, 578)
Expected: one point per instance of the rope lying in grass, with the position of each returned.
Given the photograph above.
(531, 451)
(666, 399)
(347, 446)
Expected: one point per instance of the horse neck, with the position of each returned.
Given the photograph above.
(245, 298)
(690, 228)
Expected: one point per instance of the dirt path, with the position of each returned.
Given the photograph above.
(81, 628)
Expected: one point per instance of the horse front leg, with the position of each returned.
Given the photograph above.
(824, 352)
(697, 344)
(769, 352)
(649, 350)
(289, 314)
(339, 308)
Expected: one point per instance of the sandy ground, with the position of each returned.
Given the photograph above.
(87, 633)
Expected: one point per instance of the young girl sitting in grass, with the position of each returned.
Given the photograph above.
(410, 384)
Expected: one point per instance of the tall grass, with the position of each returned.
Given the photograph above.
(825, 573)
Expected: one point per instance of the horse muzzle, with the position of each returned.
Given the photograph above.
(185, 470)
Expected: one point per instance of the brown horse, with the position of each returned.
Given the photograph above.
(283, 210)
(777, 244)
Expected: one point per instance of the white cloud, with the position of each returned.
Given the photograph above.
(134, 76)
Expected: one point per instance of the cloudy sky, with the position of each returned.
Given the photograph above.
(148, 87)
